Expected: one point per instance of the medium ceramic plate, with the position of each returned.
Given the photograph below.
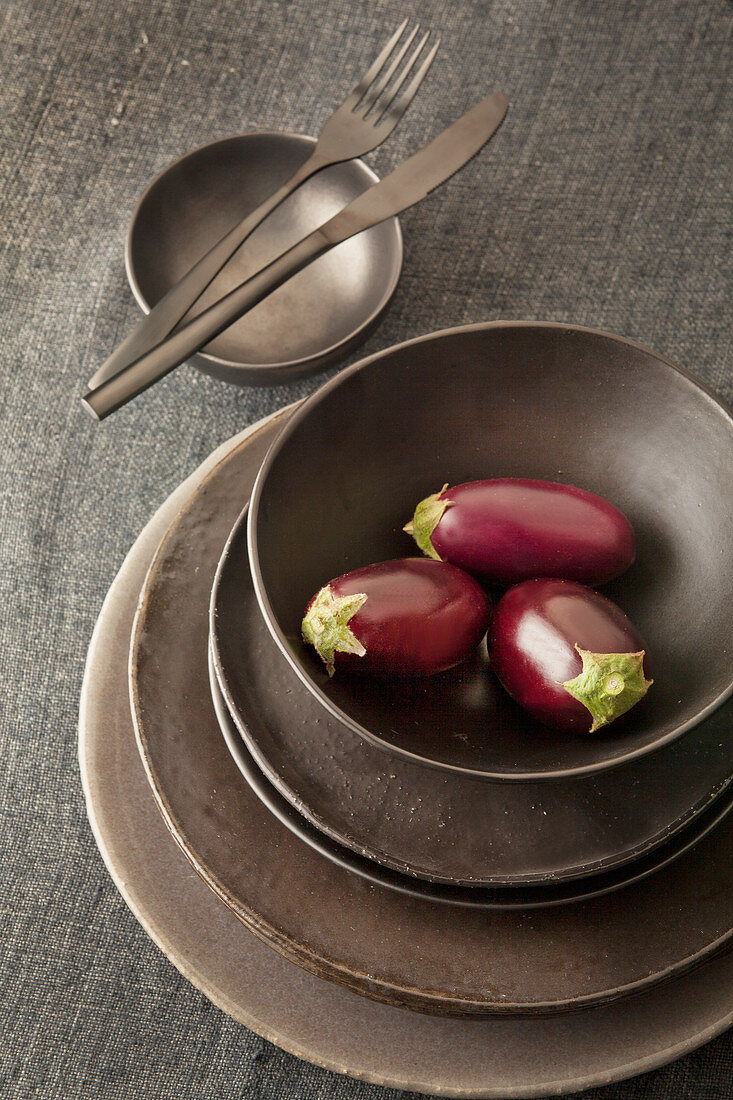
(319, 314)
(402, 950)
(319, 1021)
(445, 826)
(476, 896)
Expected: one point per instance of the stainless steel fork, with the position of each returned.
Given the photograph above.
(367, 116)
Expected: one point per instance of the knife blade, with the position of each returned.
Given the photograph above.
(409, 183)
(422, 172)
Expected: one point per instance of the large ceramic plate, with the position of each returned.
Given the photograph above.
(406, 951)
(492, 1058)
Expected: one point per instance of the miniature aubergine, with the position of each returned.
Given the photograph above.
(567, 654)
(511, 529)
(407, 617)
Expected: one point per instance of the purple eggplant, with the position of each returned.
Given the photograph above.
(567, 654)
(407, 617)
(511, 529)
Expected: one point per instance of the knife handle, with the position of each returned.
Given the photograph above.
(143, 372)
(172, 308)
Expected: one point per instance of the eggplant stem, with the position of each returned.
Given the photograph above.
(609, 684)
(326, 625)
(428, 515)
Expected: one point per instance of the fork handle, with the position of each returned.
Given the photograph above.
(139, 375)
(171, 309)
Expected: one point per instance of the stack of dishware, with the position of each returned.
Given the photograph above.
(422, 842)
(442, 850)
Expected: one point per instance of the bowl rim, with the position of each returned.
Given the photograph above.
(303, 411)
(207, 360)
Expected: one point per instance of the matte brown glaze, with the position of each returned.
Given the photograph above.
(546, 401)
(404, 951)
(288, 335)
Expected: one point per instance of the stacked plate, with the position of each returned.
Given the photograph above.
(440, 850)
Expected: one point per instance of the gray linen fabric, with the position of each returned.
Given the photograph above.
(604, 200)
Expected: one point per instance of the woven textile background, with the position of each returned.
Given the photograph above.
(604, 200)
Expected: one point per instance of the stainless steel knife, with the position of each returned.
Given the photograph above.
(406, 185)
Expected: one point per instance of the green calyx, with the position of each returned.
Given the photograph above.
(428, 515)
(609, 684)
(326, 625)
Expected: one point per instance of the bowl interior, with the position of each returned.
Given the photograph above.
(507, 400)
(200, 197)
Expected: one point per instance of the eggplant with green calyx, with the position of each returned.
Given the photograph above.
(407, 617)
(508, 530)
(567, 654)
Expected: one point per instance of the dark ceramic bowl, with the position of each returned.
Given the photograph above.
(313, 319)
(521, 399)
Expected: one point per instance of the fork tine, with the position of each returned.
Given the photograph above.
(395, 108)
(358, 91)
(377, 87)
(405, 73)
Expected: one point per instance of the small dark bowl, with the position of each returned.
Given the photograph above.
(547, 401)
(317, 316)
